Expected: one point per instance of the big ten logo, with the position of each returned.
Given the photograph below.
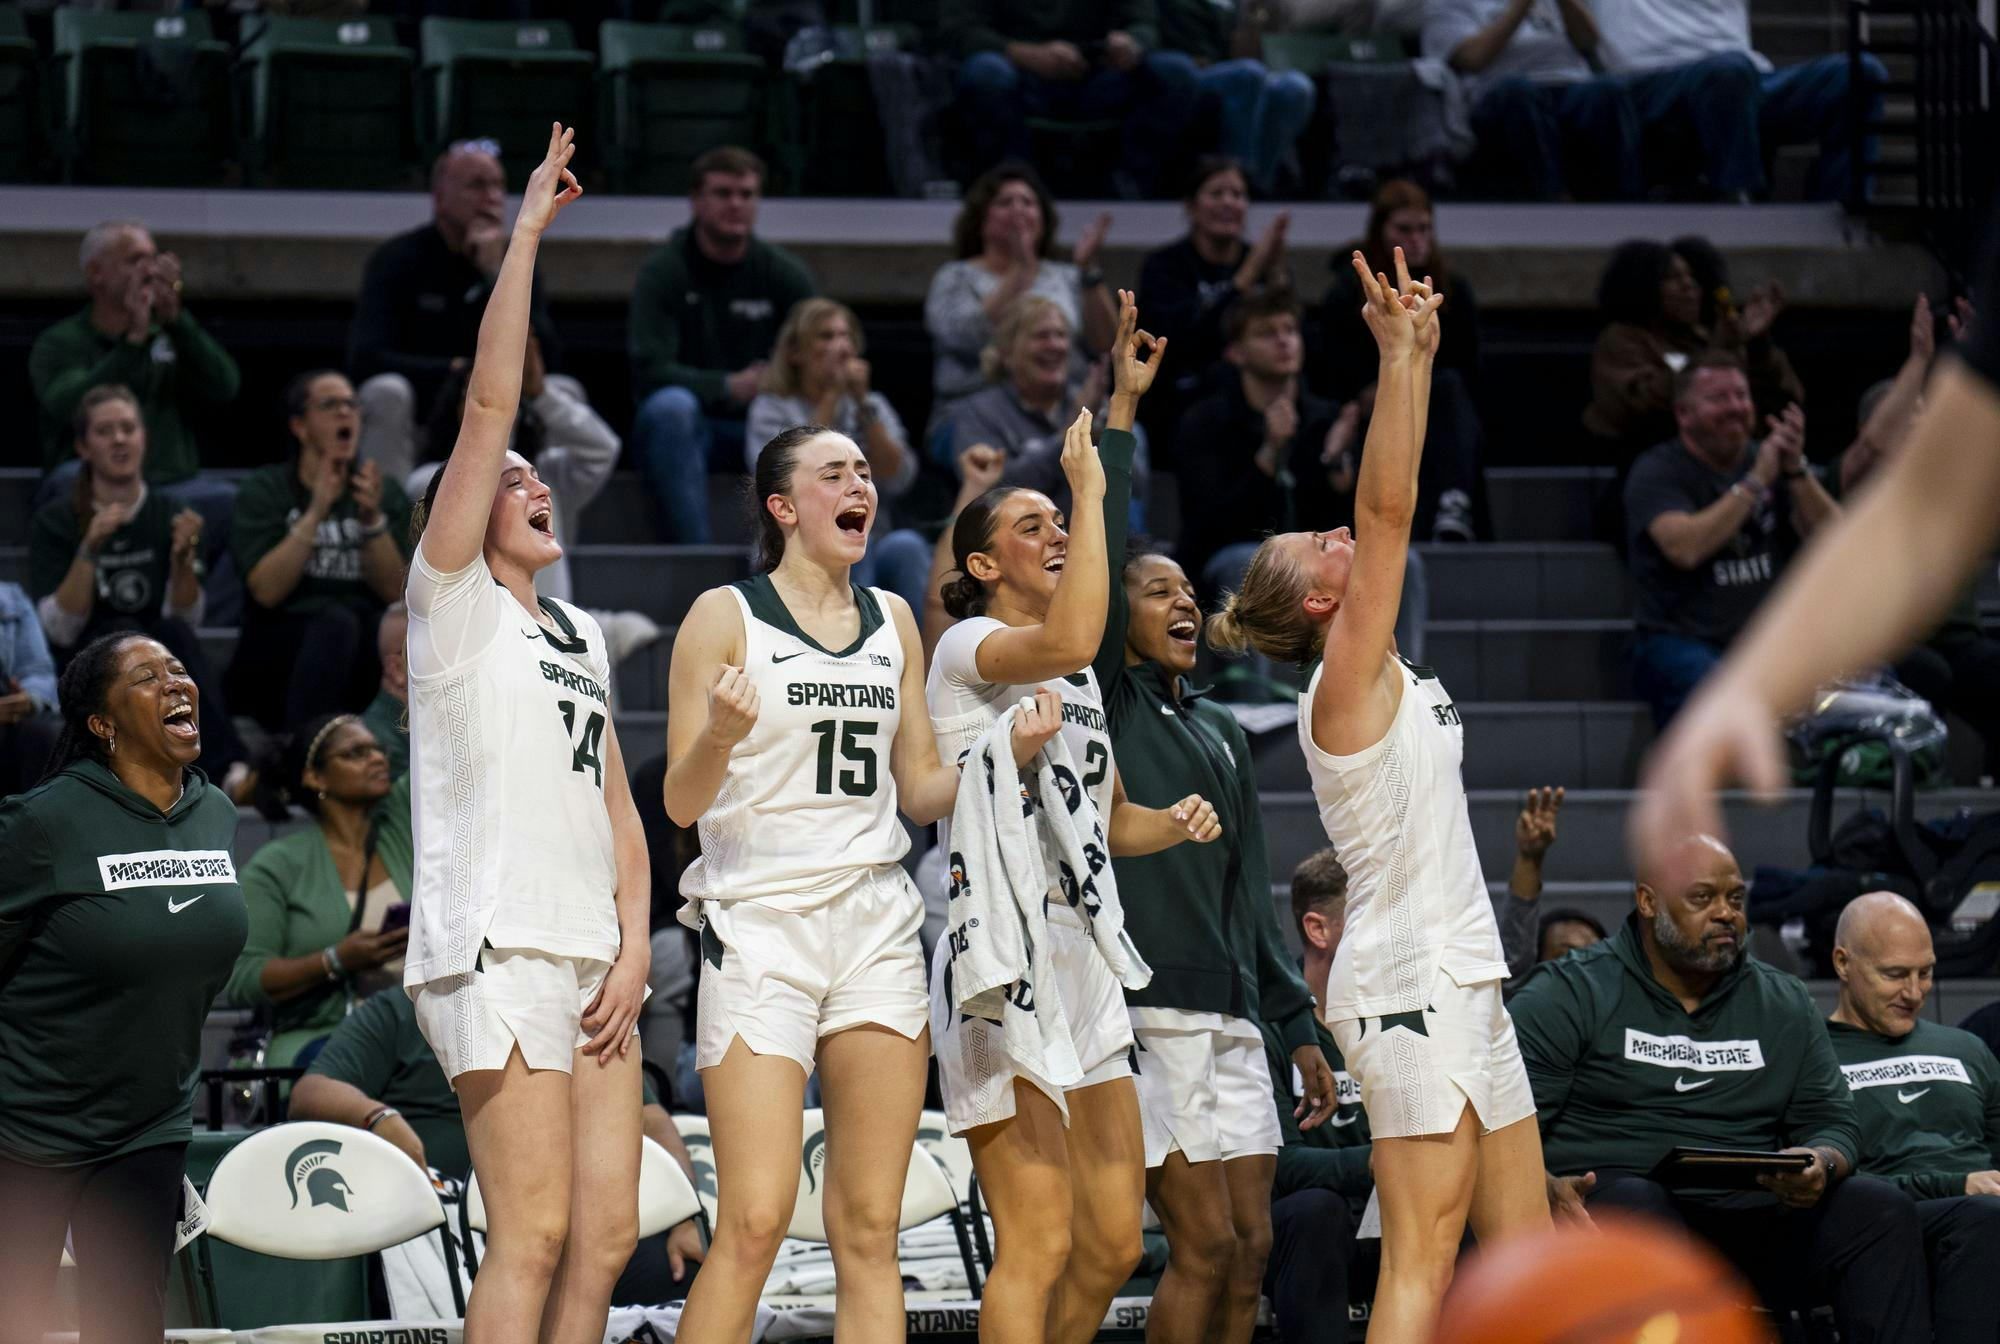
(880, 660)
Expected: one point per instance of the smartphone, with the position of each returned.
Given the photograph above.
(396, 916)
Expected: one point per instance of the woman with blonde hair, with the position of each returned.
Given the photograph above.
(1448, 1099)
(817, 376)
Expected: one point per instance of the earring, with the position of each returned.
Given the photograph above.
(322, 795)
(110, 743)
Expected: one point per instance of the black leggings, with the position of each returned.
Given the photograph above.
(120, 1214)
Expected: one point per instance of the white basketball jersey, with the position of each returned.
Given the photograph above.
(507, 721)
(1396, 814)
(963, 707)
(807, 803)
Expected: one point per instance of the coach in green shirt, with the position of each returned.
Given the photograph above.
(1928, 1100)
(119, 919)
(1668, 1033)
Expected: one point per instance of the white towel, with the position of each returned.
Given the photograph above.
(1018, 845)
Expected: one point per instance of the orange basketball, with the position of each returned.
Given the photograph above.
(1627, 1281)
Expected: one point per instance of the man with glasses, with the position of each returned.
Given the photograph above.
(423, 293)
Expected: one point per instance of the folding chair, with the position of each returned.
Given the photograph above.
(328, 102)
(671, 93)
(144, 98)
(309, 1190)
(505, 80)
(701, 1153)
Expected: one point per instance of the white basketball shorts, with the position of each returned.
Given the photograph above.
(1417, 1071)
(1204, 1086)
(517, 997)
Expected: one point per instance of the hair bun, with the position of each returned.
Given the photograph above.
(963, 596)
(1224, 633)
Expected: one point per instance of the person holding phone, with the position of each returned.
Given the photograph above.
(320, 541)
(329, 905)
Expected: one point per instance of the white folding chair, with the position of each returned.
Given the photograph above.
(316, 1191)
(954, 1154)
(701, 1155)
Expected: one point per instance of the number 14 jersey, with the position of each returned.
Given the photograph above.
(807, 803)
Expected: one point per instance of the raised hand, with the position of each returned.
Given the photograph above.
(981, 467)
(1092, 238)
(1787, 435)
(732, 706)
(1196, 816)
(105, 520)
(166, 287)
(187, 538)
(1566, 1197)
(1923, 330)
(1080, 463)
(1535, 828)
(1390, 321)
(552, 186)
(1132, 372)
(138, 307)
(1035, 723)
(328, 485)
(367, 486)
(1959, 320)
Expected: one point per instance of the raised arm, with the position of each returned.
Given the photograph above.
(711, 705)
(456, 528)
(1351, 709)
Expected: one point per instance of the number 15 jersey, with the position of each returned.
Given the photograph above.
(507, 720)
(807, 803)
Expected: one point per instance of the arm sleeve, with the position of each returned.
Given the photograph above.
(955, 315)
(1928, 1184)
(263, 880)
(62, 370)
(653, 334)
(1821, 1108)
(362, 1050)
(64, 627)
(1519, 921)
(207, 372)
(1650, 491)
(1551, 1023)
(1115, 451)
(452, 616)
(371, 338)
(1307, 1167)
(970, 26)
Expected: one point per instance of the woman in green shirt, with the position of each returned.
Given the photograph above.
(320, 899)
(119, 918)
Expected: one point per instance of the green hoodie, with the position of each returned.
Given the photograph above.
(118, 925)
(1622, 1073)
(1333, 1156)
(1201, 915)
(1928, 1105)
(693, 322)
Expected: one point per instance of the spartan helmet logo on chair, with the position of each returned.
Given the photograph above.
(323, 1184)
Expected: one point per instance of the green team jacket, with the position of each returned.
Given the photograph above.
(1201, 915)
(1622, 1073)
(178, 363)
(118, 924)
(1335, 1155)
(693, 322)
(1928, 1104)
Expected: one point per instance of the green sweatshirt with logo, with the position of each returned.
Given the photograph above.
(1334, 1155)
(1928, 1105)
(118, 925)
(1622, 1073)
(1201, 915)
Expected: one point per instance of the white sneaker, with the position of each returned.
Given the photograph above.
(626, 632)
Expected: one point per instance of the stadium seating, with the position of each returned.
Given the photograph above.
(19, 107)
(839, 131)
(670, 93)
(503, 80)
(328, 103)
(145, 99)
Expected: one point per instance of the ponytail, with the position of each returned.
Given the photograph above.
(1266, 614)
(972, 533)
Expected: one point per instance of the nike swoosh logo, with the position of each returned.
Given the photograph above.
(175, 909)
(1339, 1123)
(1167, 710)
(1683, 1085)
(1907, 1097)
(787, 657)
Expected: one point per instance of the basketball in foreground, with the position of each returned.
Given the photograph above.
(1627, 1281)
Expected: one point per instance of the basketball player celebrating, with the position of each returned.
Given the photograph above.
(528, 946)
(1413, 999)
(1059, 1168)
(788, 746)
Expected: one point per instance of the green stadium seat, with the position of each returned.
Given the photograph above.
(839, 129)
(144, 99)
(19, 117)
(505, 80)
(671, 92)
(1311, 53)
(328, 103)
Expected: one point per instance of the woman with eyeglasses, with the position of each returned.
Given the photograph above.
(328, 905)
(320, 541)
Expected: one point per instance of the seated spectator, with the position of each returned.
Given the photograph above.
(1540, 109)
(30, 717)
(1188, 286)
(115, 555)
(1260, 111)
(573, 451)
(1692, 65)
(1651, 305)
(387, 715)
(1562, 931)
(1323, 1179)
(1927, 1099)
(378, 1073)
(1083, 60)
(1030, 401)
(320, 899)
(817, 376)
(1516, 910)
(1004, 241)
(1712, 517)
(321, 540)
(1449, 478)
(1668, 1034)
(422, 295)
(135, 333)
(1957, 667)
(1260, 454)
(704, 315)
